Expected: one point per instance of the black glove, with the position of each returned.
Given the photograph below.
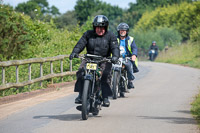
(114, 60)
(73, 55)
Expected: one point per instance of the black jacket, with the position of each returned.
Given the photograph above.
(154, 47)
(98, 45)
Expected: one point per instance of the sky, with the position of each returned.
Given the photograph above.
(67, 5)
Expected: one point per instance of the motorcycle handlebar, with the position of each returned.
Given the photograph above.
(89, 57)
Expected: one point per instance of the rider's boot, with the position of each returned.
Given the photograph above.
(122, 94)
(106, 102)
(130, 84)
(78, 100)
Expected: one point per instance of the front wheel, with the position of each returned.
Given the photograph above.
(85, 100)
(151, 56)
(115, 87)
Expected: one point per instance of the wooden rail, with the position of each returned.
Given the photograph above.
(17, 63)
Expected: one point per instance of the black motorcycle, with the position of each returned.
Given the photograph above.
(92, 93)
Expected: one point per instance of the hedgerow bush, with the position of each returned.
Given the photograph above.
(162, 35)
(18, 32)
(195, 35)
(184, 18)
(24, 38)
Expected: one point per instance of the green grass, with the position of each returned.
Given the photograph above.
(196, 108)
(187, 55)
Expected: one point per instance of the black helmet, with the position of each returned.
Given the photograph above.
(100, 20)
(123, 26)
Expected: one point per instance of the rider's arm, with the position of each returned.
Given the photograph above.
(114, 45)
(134, 48)
(79, 47)
(150, 47)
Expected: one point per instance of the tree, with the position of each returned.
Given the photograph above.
(67, 19)
(85, 8)
(43, 4)
(142, 6)
(184, 17)
(30, 8)
(37, 9)
(18, 32)
(54, 10)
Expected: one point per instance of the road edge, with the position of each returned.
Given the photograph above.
(27, 95)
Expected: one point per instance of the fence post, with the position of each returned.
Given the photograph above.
(29, 74)
(3, 78)
(61, 68)
(41, 72)
(51, 69)
(17, 74)
(3, 75)
(70, 65)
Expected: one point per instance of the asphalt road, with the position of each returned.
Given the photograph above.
(160, 103)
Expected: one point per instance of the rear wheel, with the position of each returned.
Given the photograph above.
(115, 87)
(85, 100)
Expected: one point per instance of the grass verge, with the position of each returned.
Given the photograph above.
(196, 108)
(185, 54)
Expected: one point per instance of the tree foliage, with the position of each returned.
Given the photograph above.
(37, 9)
(85, 8)
(183, 17)
(162, 35)
(43, 4)
(142, 6)
(21, 36)
(195, 35)
(67, 19)
(18, 32)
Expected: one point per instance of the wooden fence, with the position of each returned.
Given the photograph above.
(29, 81)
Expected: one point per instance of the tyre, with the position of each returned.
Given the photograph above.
(152, 57)
(115, 87)
(121, 83)
(126, 82)
(85, 100)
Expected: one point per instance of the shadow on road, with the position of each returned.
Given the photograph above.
(64, 117)
(184, 111)
(176, 120)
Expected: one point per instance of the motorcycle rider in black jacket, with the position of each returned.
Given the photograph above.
(102, 42)
(154, 47)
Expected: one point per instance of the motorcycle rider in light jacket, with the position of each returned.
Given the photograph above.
(128, 48)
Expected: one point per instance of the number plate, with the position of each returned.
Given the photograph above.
(91, 66)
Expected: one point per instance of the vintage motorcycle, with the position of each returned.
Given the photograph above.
(92, 93)
(119, 78)
(152, 55)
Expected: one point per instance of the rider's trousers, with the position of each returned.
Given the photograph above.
(129, 68)
(105, 80)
